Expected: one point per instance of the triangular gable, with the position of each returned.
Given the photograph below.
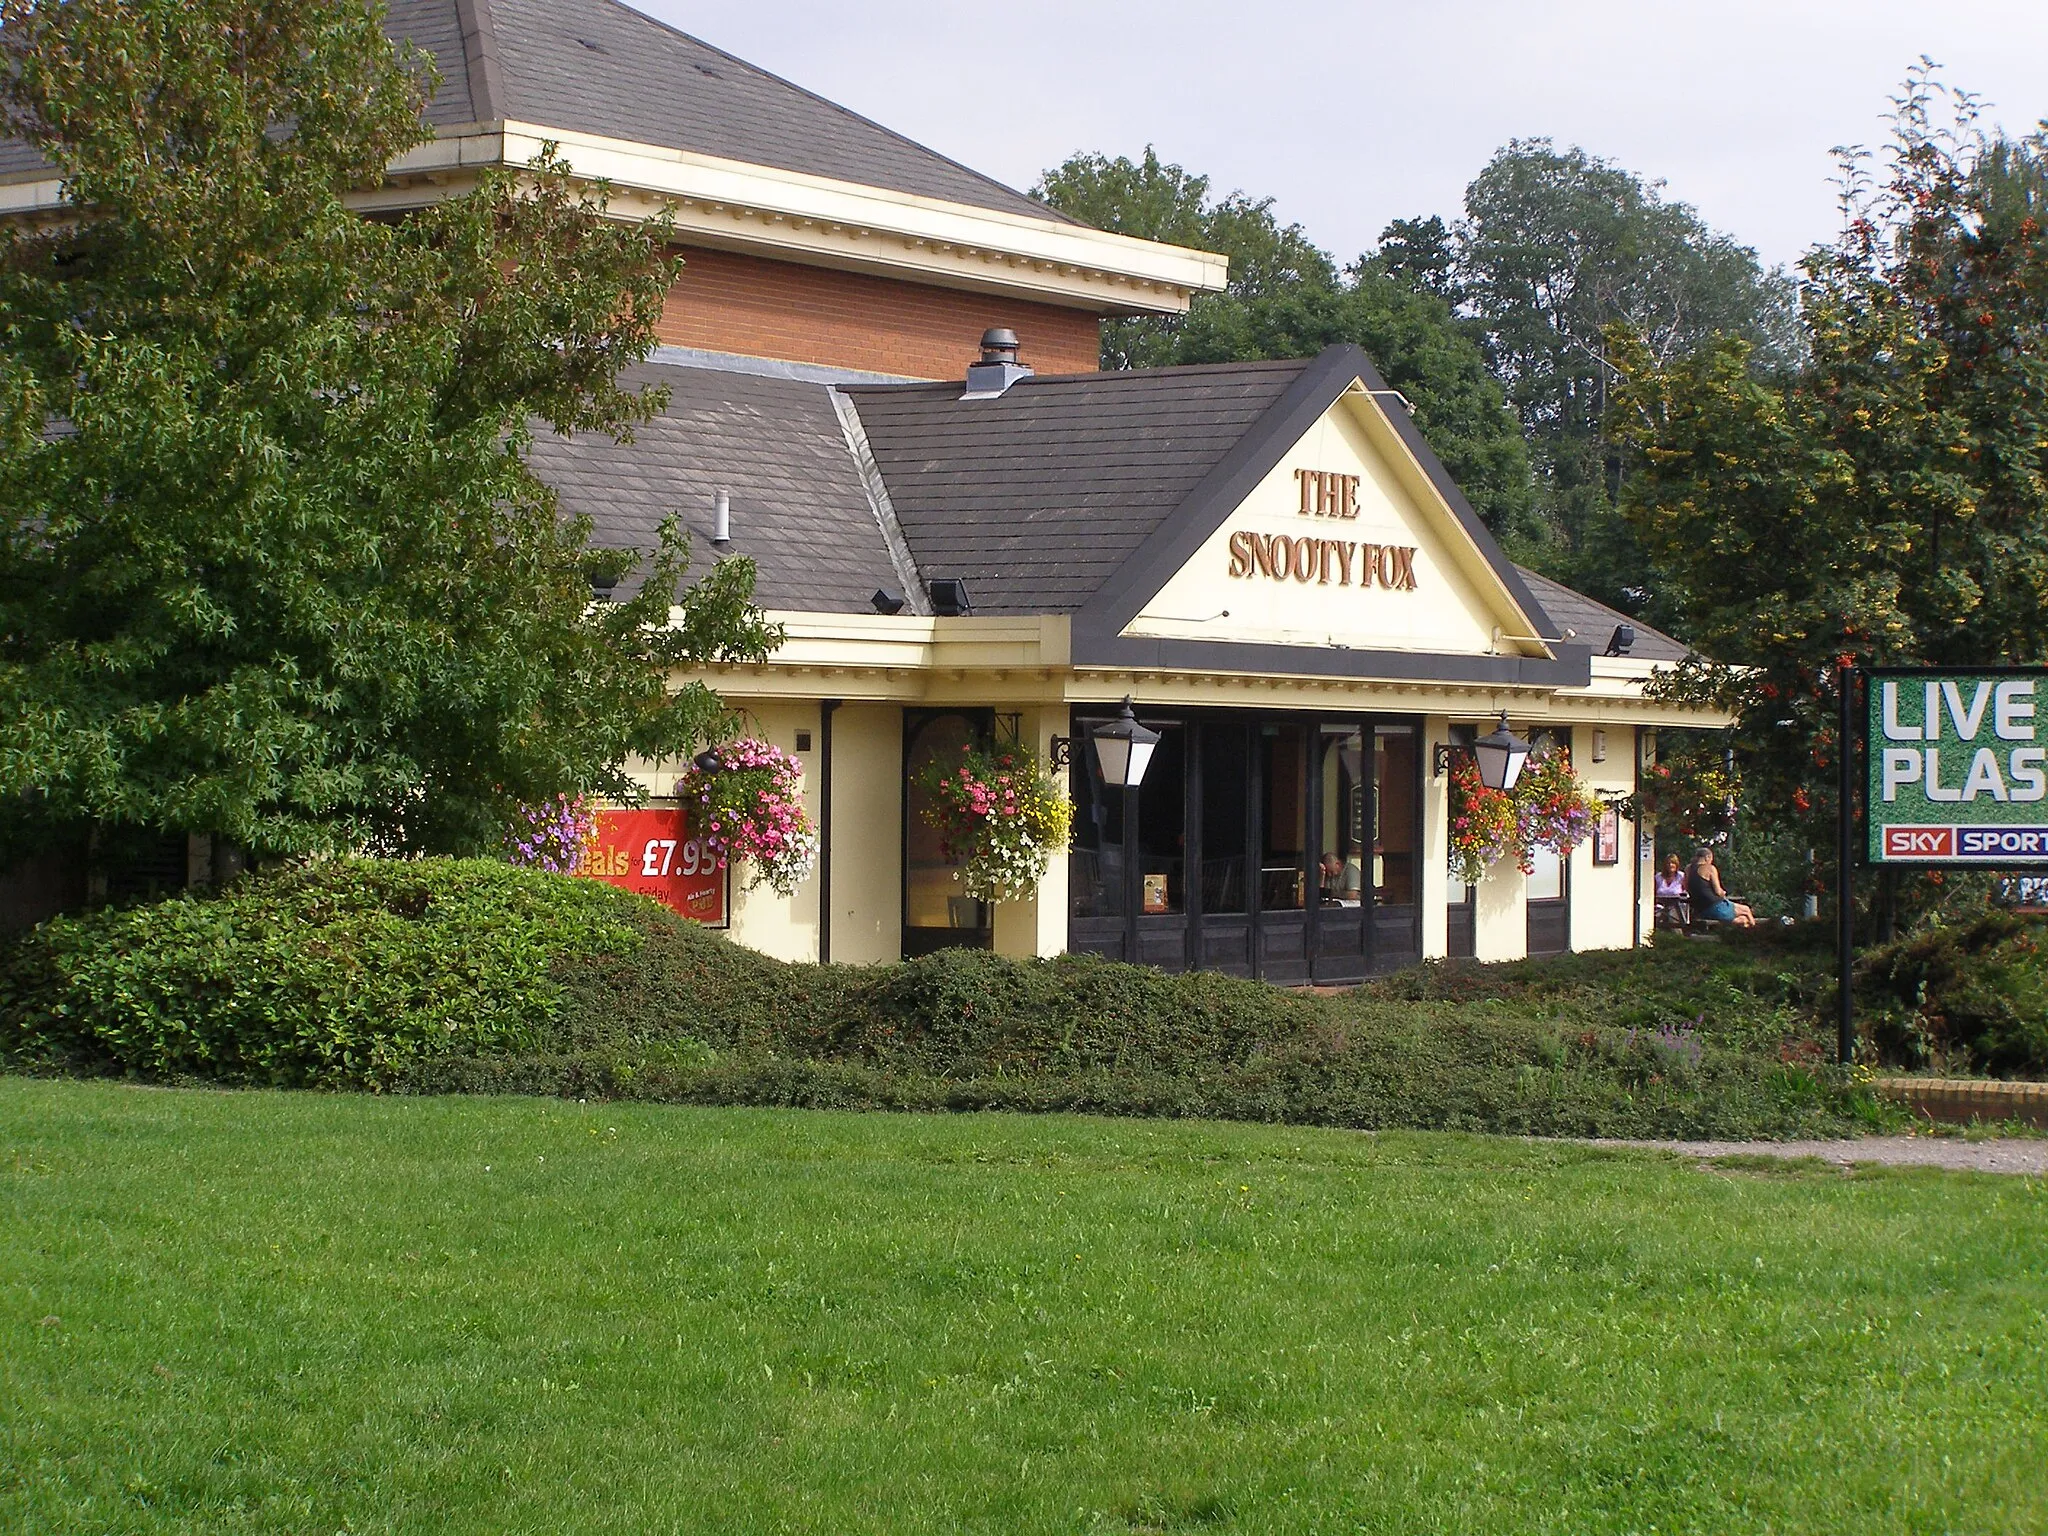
(1330, 528)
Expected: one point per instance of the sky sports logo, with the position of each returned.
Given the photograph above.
(1961, 843)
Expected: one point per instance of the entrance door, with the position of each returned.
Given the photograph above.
(1396, 885)
(1269, 846)
(937, 911)
(1344, 819)
(1280, 789)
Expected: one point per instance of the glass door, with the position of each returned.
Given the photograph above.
(1343, 837)
(1280, 793)
(1395, 888)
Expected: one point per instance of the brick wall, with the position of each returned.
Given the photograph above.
(727, 302)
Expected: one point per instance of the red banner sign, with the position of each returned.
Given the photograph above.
(652, 852)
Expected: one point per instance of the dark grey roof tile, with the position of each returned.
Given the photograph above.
(1037, 496)
(1595, 621)
(601, 67)
(775, 445)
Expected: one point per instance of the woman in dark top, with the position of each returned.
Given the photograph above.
(1710, 900)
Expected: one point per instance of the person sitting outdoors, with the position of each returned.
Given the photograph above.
(1674, 899)
(1710, 899)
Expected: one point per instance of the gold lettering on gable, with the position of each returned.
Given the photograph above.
(1326, 494)
(1281, 557)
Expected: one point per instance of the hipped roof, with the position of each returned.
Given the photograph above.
(1049, 499)
(600, 67)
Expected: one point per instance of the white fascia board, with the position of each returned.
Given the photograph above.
(732, 203)
(840, 222)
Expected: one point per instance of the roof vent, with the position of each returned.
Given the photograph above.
(998, 368)
(949, 597)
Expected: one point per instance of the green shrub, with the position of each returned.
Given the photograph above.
(1970, 996)
(470, 977)
(340, 973)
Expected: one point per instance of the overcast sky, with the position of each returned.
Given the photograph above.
(1353, 114)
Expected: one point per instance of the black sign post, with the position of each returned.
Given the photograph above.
(1845, 869)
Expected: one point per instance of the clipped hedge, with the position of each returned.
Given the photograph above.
(471, 977)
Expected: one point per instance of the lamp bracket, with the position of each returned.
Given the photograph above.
(1440, 761)
(1062, 753)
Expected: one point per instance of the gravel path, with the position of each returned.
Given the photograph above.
(2020, 1155)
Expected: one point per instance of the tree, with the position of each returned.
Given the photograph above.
(1887, 502)
(1287, 298)
(1555, 248)
(272, 565)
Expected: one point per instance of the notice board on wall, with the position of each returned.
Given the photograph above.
(653, 851)
(1958, 767)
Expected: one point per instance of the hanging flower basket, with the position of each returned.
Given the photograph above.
(1549, 807)
(1000, 813)
(1482, 821)
(746, 803)
(1553, 808)
(551, 834)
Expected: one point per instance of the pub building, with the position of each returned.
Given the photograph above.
(884, 390)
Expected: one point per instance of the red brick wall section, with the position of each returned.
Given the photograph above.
(727, 302)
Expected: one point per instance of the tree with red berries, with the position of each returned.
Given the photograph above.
(1886, 503)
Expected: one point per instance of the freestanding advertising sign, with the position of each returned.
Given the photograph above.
(1957, 766)
(654, 853)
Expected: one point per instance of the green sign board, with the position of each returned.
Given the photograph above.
(1958, 765)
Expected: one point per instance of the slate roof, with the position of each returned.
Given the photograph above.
(1036, 497)
(1595, 621)
(775, 444)
(601, 67)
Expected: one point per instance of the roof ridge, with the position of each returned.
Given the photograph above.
(847, 112)
(1175, 370)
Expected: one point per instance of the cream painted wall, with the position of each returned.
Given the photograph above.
(1500, 917)
(783, 926)
(1446, 612)
(1038, 926)
(1603, 905)
(1436, 842)
(867, 833)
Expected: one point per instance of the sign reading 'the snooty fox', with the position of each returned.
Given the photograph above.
(1958, 765)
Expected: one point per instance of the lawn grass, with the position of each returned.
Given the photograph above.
(252, 1311)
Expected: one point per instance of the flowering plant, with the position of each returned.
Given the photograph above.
(1552, 807)
(748, 804)
(552, 834)
(1000, 813)
(1693, 797)
(1482, 821)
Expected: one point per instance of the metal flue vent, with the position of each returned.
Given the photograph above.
(998, 368)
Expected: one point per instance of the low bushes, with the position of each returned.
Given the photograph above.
(343, 973)
(1968, 997)
(439, 977)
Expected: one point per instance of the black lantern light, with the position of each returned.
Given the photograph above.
(1501, 754)
(1123, 748)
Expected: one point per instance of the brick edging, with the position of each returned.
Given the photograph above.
(1963, 1099)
